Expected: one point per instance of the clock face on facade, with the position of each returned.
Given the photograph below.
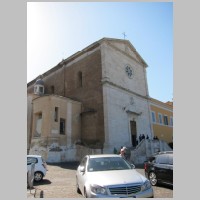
(129, 71)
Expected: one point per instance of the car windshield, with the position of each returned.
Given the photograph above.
(107, 163)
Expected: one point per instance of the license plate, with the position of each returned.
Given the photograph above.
(128, 197)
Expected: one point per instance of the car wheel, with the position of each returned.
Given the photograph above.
(85, 193)
(38, 176)
(152, 178)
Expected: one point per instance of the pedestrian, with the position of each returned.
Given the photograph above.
(140, 138)
(156, 137)
(122, 152)
(115, 151)
(147, 137)
(143, 137)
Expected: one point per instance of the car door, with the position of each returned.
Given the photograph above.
(170, 169)
(161, 167)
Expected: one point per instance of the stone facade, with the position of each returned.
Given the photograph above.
(114, 105)
(125, 98)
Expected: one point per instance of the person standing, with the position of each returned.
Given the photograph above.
(140, 138)
(122, 152)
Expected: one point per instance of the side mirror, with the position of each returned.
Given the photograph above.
(82, 169)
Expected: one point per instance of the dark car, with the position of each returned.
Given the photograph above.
(159, 168)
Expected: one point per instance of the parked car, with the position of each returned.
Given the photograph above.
(159, 168)
(40, 166)
(110, 176)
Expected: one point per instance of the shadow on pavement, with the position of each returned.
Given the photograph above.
(43, 182)
(162, 185)
(65, 165)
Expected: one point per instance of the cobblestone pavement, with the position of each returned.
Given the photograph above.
(60, 182)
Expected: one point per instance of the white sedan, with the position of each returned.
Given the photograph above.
(110, 176)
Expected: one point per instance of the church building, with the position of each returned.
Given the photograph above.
(97, 98)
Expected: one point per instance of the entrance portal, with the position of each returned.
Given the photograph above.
(133, 132)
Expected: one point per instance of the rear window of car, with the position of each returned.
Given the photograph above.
(31, 160)
(152, 159)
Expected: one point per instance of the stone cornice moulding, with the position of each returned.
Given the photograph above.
(104, 81)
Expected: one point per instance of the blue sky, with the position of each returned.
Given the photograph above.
(55, 31)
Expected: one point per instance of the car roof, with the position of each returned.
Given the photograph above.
(36, 156)
(163, 152)
(103, 155)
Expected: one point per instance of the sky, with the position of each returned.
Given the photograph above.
(57, 30)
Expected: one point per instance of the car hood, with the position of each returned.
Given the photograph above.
(115, 177)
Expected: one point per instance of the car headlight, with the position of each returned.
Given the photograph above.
(146, 185)
(98, 189)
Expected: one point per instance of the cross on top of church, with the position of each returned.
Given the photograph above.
(124, 35)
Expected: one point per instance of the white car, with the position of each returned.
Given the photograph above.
(111, 176)
(40, 166)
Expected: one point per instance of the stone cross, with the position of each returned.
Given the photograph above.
(124, 35)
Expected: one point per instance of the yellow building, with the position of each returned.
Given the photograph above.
(162, 119)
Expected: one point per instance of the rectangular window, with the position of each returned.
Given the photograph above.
(171, 121)
(52, 89)
(41, 89)
(160, 118)
(38, 125)
(56, 114)
(62, 126)
(165, 120)
(153, 117)
(80, 79)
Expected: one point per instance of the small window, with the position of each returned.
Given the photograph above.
(80, 80)
(41, 89)
(153, 117)
(160, 118)
(38, 124)
(56, 114)
(165, 120)
(62, 126)
(52, 89)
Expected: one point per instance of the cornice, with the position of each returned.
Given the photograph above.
(163, 106)
(89, 48)
(122, 88)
